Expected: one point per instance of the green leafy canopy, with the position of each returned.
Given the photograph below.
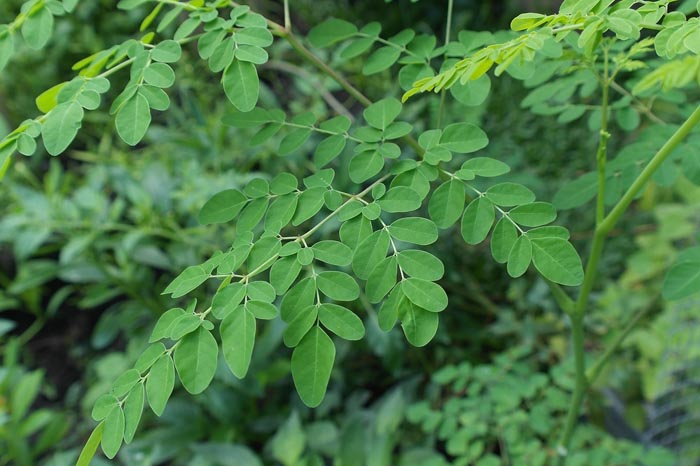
(317, 251)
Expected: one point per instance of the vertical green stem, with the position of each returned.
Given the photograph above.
(601, 155)
(603, 228)
(287, 16)
(579, 308)
(660, 157)
(581, 386)
(448, 32)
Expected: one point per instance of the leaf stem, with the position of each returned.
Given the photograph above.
(601, 154)
(312, 58)
(660, 157)
(595, 370)
(563, 300)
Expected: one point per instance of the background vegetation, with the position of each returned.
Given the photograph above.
(88, 242)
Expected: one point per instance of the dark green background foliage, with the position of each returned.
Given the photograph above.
(140, 230)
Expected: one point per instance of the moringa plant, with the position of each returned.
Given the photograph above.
(382, 187)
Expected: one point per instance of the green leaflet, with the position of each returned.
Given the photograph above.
(425, 294)
(284, 183)
(388, 313)
(463, 138)
(372, 211)
(300, 325)
(262, 309)
(472, 93)
(502, 240)
(520, 256)
(161, 329)
(419, 325)
(338, 286)
(534, 214)
(133, 119)
(414, 179)
(7, 47)
(257, 187)
(252, 213)
(356, 47)
(341, 321)
(263, 253)
(297, 299)
(577, 192)
(160, 383)
(159, 75)
(477, 220)
(509, 194)
(400, 199)
(103, 406)
(382, 113)
(293, 141)
(310, 203)
(353, 232)
(446, 204)
(238, 340)
(683, 278)
(414, 230)
(149, 356)
(333, 252)
(486, 167)
(305, 256)
(421, 264)
(188, 280)
(37, 29)
(261, 291)
(552, 231)
(168, 51)
(289, 441)
(125, 382)
(133, 408)
(382, 279)
(90, 448)
(365, 166)
(328, 149)
(241, 85)
(557, 260)
(331, 31)
(370, 253)
(333, 199)
(195, 360)
(381, 59)
(312, 362)
(183, 325)
(283, 273)
(47, 100)
(227, 299)
(61, 126)
(113, 432)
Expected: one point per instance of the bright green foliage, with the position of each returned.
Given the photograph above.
(305, 244)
